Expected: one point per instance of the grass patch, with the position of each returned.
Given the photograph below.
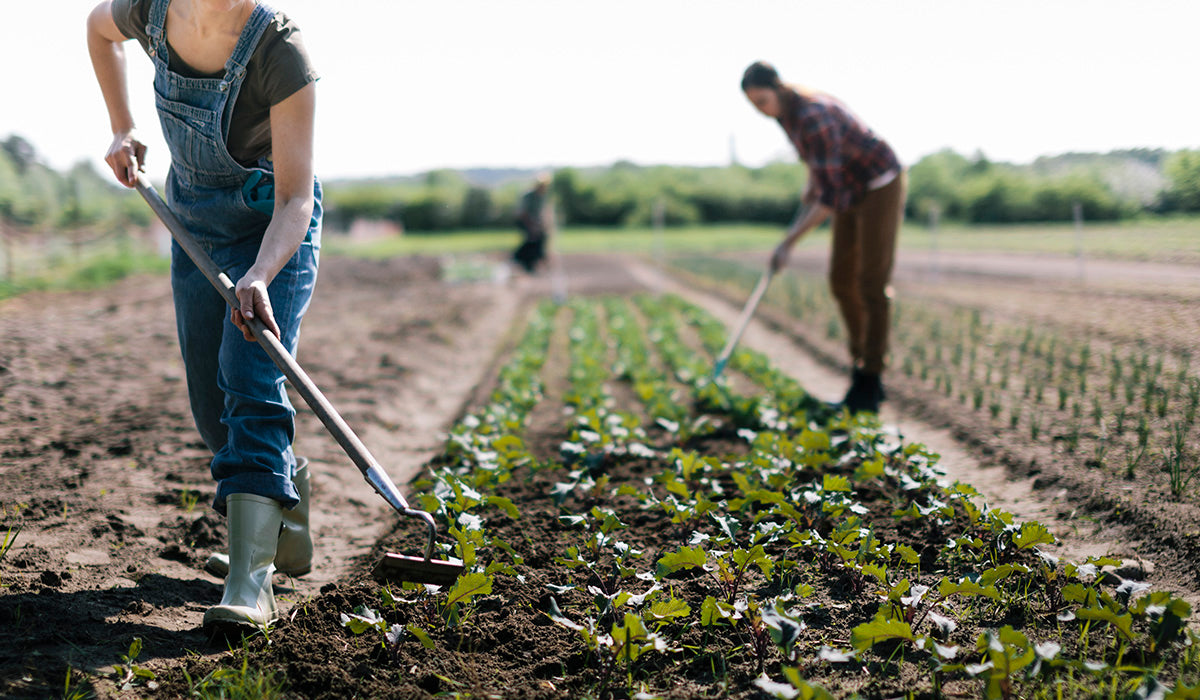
(242, 682)
(1175, 239)
(1166, 239)
(699, 239)
(95, 273)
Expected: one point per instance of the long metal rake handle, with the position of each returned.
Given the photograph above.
(751, 304)
(362, 458)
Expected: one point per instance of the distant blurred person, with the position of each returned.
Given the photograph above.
(856, 178)
(532, 220)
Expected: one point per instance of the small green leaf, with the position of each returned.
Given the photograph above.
(1032, 534)
(420, 634)
(669, 609)
(504, 504)
(999, 573)
(908, 554)
(879, 630)
(834, 482)
(468, 586)
(1123, 623)
(713, 611)
(685, 558)
(966, 587)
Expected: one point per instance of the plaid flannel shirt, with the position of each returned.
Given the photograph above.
(843, 155)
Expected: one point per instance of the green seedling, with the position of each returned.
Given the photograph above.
(127, 674)
(74, 692)
(244, 682)
(10, 537)
(188, 500)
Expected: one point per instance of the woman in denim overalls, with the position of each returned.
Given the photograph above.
(262, 226)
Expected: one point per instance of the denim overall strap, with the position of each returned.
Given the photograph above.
(235, 67)
(156, 29)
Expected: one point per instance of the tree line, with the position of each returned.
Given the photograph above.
(971, 189)
(952, 186)
(35, 197)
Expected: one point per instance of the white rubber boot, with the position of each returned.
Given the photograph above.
(295, 551)
(249, 600)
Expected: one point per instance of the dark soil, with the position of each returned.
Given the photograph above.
(105, 485)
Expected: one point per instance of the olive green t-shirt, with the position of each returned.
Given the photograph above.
(278, 68)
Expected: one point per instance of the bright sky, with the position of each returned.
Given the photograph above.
(410, 85)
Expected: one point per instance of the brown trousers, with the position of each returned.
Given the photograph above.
(860, 270)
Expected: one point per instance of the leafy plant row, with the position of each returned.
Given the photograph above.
(759, 540)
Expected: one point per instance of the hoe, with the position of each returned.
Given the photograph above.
(743, 321)
(396, 567)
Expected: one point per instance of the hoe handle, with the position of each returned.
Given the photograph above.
(375, 475)
(751, 304)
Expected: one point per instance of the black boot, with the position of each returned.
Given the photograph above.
(865, 393)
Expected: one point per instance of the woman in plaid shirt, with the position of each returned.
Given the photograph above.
(854, 177)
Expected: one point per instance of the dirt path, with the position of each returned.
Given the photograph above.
(1118, 301)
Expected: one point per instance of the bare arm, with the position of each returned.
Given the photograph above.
(807, 218)
(292, 151)
(105, 46)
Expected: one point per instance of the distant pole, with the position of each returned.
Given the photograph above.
(659, 217)
(8, 251)
(935, 213)
(1078, 211)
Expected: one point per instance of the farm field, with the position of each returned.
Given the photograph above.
(631, 528)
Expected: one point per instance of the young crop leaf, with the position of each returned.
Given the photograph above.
(804, 690)
(561, 491)
(795, 689)
(756, 557)
(469, 521)
(394, 635)
(469, 586)
(908, 554)
(1031, 535)
(362, 619)
(635, 639)
(420, 634)
(784, 630)
(1130, 588)
(685, 558)
(1077, 592)
(1123, 623)
(834, 482)
(967, 587)
(881, 629)
(556, 615)
(999, 573)
(713, 612)
(879, 573)
(869, 469)
(666, 610)
(944, 624)
(783, 691)
(814, 440)
(504, 504)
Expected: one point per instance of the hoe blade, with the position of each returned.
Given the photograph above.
(398, 567)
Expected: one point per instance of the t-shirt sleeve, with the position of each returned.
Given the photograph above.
(131, 17)
(286, 66)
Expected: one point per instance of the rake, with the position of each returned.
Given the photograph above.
(396, 567)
